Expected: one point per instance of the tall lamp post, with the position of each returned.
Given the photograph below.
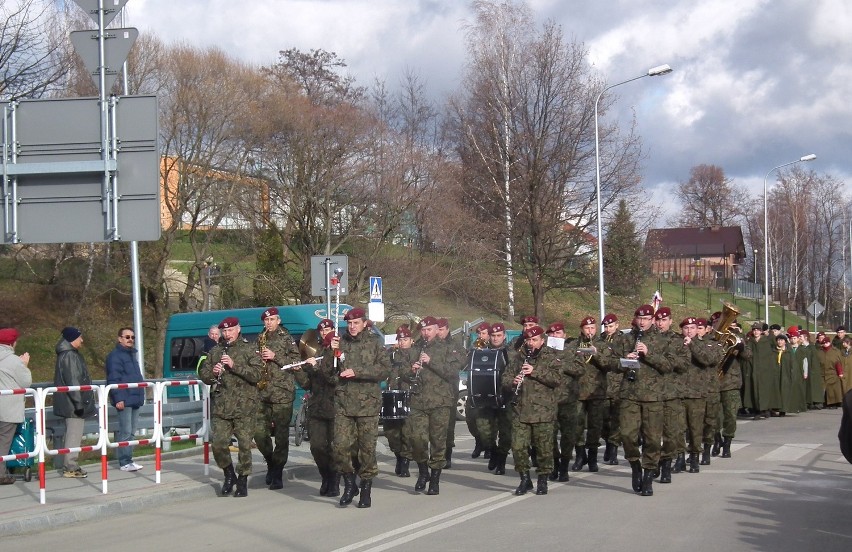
(809, 157)
(652, 72)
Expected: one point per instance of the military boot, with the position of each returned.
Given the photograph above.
(717, 444)
(726, 447)
(541, 485)
(580, 460)
(693, 462)
(526, 484)
(230, 480)
(326, 482)
(434, 480)
(477, 449)
(398, 467)
(277, 478)
(613, 459)
(557, 463)
(563, 470)
(422, 476)
(242, 486)
(492, 456)
(608, 452)
(350, 489)
(270, 468)
(666, 471)
(403, 468)
(636, 476)
(679, 463)
(500, 469)
(647, 483)
(365, 501)
(705, 455)
(448, 463)
(592, 459)
(333, 484)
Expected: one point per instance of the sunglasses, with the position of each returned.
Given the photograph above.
(128, 337)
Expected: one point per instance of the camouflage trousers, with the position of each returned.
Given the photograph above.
(565, 430)
(428, 434)
(674, 441)
(321, 431)
(694, 413)
(711, 417)
(397, 434)
(611, 426)
(590, 417)
(538, 436)
(273, 420)
(351, 434)
(645, 418)
(470, 415)
(495, 429)
(220, 441)
(730, 405)
(451, 430)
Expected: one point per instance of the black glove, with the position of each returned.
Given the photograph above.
(78, 412)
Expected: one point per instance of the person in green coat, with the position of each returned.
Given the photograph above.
(785, 361)
(764, 382)
(798, 384)
(814, 390)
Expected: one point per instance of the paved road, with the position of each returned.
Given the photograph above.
(787, 488)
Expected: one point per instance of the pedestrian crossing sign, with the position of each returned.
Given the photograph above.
(375, 289)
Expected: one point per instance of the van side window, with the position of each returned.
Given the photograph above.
(185, 353)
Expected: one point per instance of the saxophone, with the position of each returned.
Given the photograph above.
(264, 376)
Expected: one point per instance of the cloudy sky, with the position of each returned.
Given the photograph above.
(757, 83)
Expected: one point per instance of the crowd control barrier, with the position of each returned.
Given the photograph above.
(107, 443)
(160, 397)
(28, 454)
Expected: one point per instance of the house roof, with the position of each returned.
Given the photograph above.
(696, 242)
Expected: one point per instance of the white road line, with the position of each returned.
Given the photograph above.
(789, 452)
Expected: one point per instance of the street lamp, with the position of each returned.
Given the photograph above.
(652, 72)
(809, 157)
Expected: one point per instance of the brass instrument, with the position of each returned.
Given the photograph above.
(481, 343)
(728, 338)
(264, 376)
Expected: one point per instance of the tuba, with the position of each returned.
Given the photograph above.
(729, 339)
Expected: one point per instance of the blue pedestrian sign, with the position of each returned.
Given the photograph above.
(375, 289)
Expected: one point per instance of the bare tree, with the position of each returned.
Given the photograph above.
(708, 198)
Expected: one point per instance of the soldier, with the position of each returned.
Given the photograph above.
(495, 423)
(729, 391)
(527, 322)
(641, 395)
(456, 356)
(432, 399)
(396, 431)
(673, 417)
(837, 340)
(704, 357)
(712, 401)
(764, 384)
(355, 363)
(233, 369)
(471, 413)
(592, 393)
(611, 427)
(321, 413)
(277, 389)
(794, 395)
(567, 422)
(533, 377)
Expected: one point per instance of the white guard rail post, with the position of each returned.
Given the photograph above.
(160, 436)
(107, 444)
(37, 448)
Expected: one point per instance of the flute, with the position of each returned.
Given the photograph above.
(301, 362)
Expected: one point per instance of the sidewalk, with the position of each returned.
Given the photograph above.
(72, 500)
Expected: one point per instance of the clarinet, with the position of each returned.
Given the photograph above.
(219, 383)
(517, 396)
(414, 387)
(631, 372)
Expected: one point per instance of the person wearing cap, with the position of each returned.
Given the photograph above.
(567, 411)
(471, 413)
(494, 423)
(320, 421)
(122, 366)
(730, 394)
(533, 377)
(642, 392)
(396, 431)
(814, 390)
(793, 378)
(232, 369)
(763, 374)
(831, 367)
(783, 371)
(356, 363)
(14, 374)
(434, 377)
(674, 424)
(277, 390)
(74, 406)
(837, 340)
(592, 393)
(526, 322)
(611, 427)
(456, 355)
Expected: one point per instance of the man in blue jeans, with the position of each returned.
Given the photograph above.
(123, 367)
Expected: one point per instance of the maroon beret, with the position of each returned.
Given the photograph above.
(229, 322)
(403, 331)
(429, 321)
(700, 322)
(687, 321)
(533, 331)
(8, 336)
(483, 327)
(609, 319)
(497, 327)
(793, 331)
(586, 321)
(663, 312)
(529, 320)
(325, 323)
(644, 310)
(556, 327)
(271, 311)
(715, 316)
(443, 323)
(352, 314)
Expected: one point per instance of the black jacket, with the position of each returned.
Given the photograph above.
(71, 370)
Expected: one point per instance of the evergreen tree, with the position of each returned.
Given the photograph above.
(623, 261)
(270, 265)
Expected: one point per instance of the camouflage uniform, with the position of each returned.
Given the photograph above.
(704, 357)
(674, 423)
(320, 419)
(494, 424)
(276, 399)
(592, 394)
(729, 391)
(455, 356)
(234, 402)
(567, 410)
(611, 426)
(713, 404)
(397, 431)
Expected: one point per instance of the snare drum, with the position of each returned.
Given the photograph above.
(486, 368)
(394, 405)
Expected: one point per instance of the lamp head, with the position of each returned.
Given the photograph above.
(659, 70)
(809, 157)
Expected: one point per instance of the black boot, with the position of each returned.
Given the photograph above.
(449, 459)
(647, 483)
(726, 447)
(592, 459)
(333, 484)
(350, 489)
(657, 469)
(636, 476)
(422, 476)
(679, 463)
(541, 486)
(705, 455)
(557, 462)
(270, 468)
(492, 456)
(608, 452)
(398, 467)
(326, 482)
(580, 459)
(477, 449)
(230, 480)
(613, 459)
(403, 468)
(486, 453)
(365, 500)
(693, 462)
(666, 471)
(242, 486)
(277, 478)
(563, 470)
(500, 469)
(434, 480)
(717, 444)
(526, 484)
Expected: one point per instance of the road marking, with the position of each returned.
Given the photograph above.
(789, 452)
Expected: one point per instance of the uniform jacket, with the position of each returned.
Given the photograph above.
(707, 354)
(361, 395)
(71, 370)
(649, 384)
(733, 378)
(122, 367)
(438, 379)
(573, 367)
(401, 361)
(280, 384)
(321, 403)
(613, 378)
(236, 396)
(537, 397)
(675, 381)
(592, 382)
(14, 374)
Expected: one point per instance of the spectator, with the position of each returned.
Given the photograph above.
(74, 406)
(123, 367)
(14, 374)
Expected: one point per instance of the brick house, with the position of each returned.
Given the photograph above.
(702, 256)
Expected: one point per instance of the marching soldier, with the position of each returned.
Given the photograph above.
(233, 369)
(567, 411)
(471, 413)
(526, 322)
(455, 356)
(673, 424)
(396, 431)
(592, 385)
(611, 426)
(495, 423)
(729, 392)
(277, 390)
(712, 401)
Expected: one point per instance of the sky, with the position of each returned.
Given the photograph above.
(756, 83)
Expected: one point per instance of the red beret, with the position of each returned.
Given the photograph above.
(497, 327)
(229, 322)
(429, 321)
(687, 321)
(533, 331)
(644, 310)
(556, 327)
(700, 322)
(715, 316)
(325, 323)
(663, 312)
(8, 336)
(609, 319)
(443, 323)
(403, 331)
(352, 314)
(793, 331)
(805, 333)
(483, 327)
(586, 321)
(271, 311)
(529, 320)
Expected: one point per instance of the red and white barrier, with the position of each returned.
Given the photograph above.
(35, 451)
(107, 443)
(160, 436)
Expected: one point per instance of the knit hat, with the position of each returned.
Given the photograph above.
(70, 333)
(8, 336)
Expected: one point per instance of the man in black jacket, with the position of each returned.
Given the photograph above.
(74, 406)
